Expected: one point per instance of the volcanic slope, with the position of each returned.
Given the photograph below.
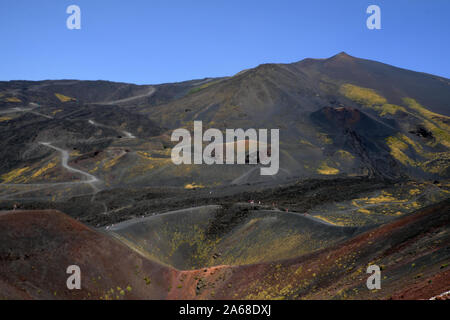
(412, 252)
(392, 122)
(233, 235)
(337, 116)
(38, 246)
(401, 115)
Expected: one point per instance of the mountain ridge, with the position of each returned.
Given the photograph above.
(405, 125)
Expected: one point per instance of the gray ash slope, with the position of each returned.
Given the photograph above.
(337, 116)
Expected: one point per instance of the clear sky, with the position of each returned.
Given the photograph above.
(157, 41)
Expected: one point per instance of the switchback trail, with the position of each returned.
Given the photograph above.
(91, 179)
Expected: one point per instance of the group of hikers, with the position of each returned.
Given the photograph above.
(274, 206)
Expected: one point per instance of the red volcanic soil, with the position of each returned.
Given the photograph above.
(36, 247)
(413, 253)
(344, 116)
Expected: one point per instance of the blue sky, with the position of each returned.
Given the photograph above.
(149, 41)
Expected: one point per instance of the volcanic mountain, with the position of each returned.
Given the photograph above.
(363, 179)
(395, 105)
(338, 117)
(341, 115)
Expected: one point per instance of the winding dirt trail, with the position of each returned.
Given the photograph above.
(151, 91)
(91, 179)
(25, 110)
(125, 133)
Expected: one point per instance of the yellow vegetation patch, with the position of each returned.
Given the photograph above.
(164, 152)
(148, 156)
(389, 109)
(370, 98)
(327, 170)
(194, 237)
(111, 163)
(344, 155)
(400, 143)
(336, 223)
(436, 123)
(64, 98)
(193, 185)
(13, 99)
(154, 161)
(299, 270)
(442, 136)
(14, 174)
(417, 147)
(413, 104)
(5, 119)
(145, 155)
(306, 143)
(383, 198)
(438, 163)
(364, 96)
(43, 170)
(398, 147)
(324, 138)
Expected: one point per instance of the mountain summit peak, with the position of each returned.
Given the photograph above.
(342, 54)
